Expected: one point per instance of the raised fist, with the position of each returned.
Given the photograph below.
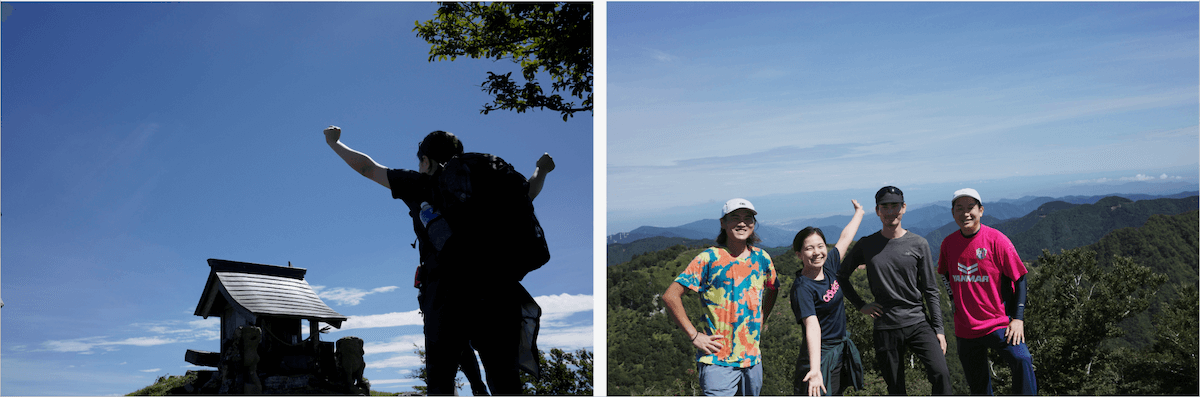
(333, 133)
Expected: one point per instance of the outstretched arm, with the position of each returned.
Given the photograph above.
(360, 162)
(544, 166)
(851, 229)
(812, 339)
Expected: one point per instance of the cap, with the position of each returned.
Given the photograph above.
(968, 192)
(889, 194)
(736, 204)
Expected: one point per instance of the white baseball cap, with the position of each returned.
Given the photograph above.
(736, 204)
(968, 192)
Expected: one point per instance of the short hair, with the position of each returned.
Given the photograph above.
(803, 234)
(440, 146)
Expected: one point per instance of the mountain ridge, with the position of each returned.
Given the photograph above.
(933, 222)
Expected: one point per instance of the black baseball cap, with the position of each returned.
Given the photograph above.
(889, 194)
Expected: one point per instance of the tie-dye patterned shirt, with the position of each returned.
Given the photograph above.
(731, 291)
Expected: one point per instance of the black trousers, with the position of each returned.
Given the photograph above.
(891, 347)
(490, 322)
(470, 367)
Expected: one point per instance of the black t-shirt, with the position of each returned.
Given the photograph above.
(472, 271)
(822, 298)
(414, 188)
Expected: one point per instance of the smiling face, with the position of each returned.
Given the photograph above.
(813, 252)
(890, 213)
(967, 212)
(739, 224)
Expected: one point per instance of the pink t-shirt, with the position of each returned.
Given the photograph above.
(974, 266)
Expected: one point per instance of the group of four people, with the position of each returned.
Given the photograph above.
(738, 285)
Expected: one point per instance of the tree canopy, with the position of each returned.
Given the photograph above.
(551, 38)
(1079, 302)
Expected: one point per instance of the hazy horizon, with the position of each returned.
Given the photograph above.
(776, 209)
(812, 104)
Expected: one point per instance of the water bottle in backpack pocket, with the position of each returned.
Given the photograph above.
(435, 226)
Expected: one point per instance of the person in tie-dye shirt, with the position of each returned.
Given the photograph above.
(738, 286)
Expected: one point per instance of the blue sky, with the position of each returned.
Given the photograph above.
(803, 106)
(142, 139)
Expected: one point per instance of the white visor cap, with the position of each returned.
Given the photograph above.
(736, 204)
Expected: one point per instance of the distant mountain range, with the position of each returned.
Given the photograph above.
(1069, 222)
(1083, 224)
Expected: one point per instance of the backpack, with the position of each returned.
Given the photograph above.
(485, 214)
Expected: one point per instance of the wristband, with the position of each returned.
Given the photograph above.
(694, 336)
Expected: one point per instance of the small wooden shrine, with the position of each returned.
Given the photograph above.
(263, 350)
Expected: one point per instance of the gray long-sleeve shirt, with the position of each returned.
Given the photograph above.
(901, 274)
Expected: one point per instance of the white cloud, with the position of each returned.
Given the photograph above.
(565, 303)
(67, 346)
(142, 341)
(394, 319)
(150, 370)
(165, 332)
(397, 361)
(1135, 178)
(348, 296)
(398, 352)
(400, 344)
(211, 322)
(400, 349)
(554, 308)
(568, 339)
(557, 308)
(661, 56)
(554, 333)
(86, 345)
(392, 381)
(185, 331)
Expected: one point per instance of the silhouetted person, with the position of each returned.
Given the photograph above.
(475, 303)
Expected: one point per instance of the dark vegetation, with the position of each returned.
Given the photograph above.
(1085, 224)
(1112, 308)
(563, 374)
(621, 253)
(553, 39)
